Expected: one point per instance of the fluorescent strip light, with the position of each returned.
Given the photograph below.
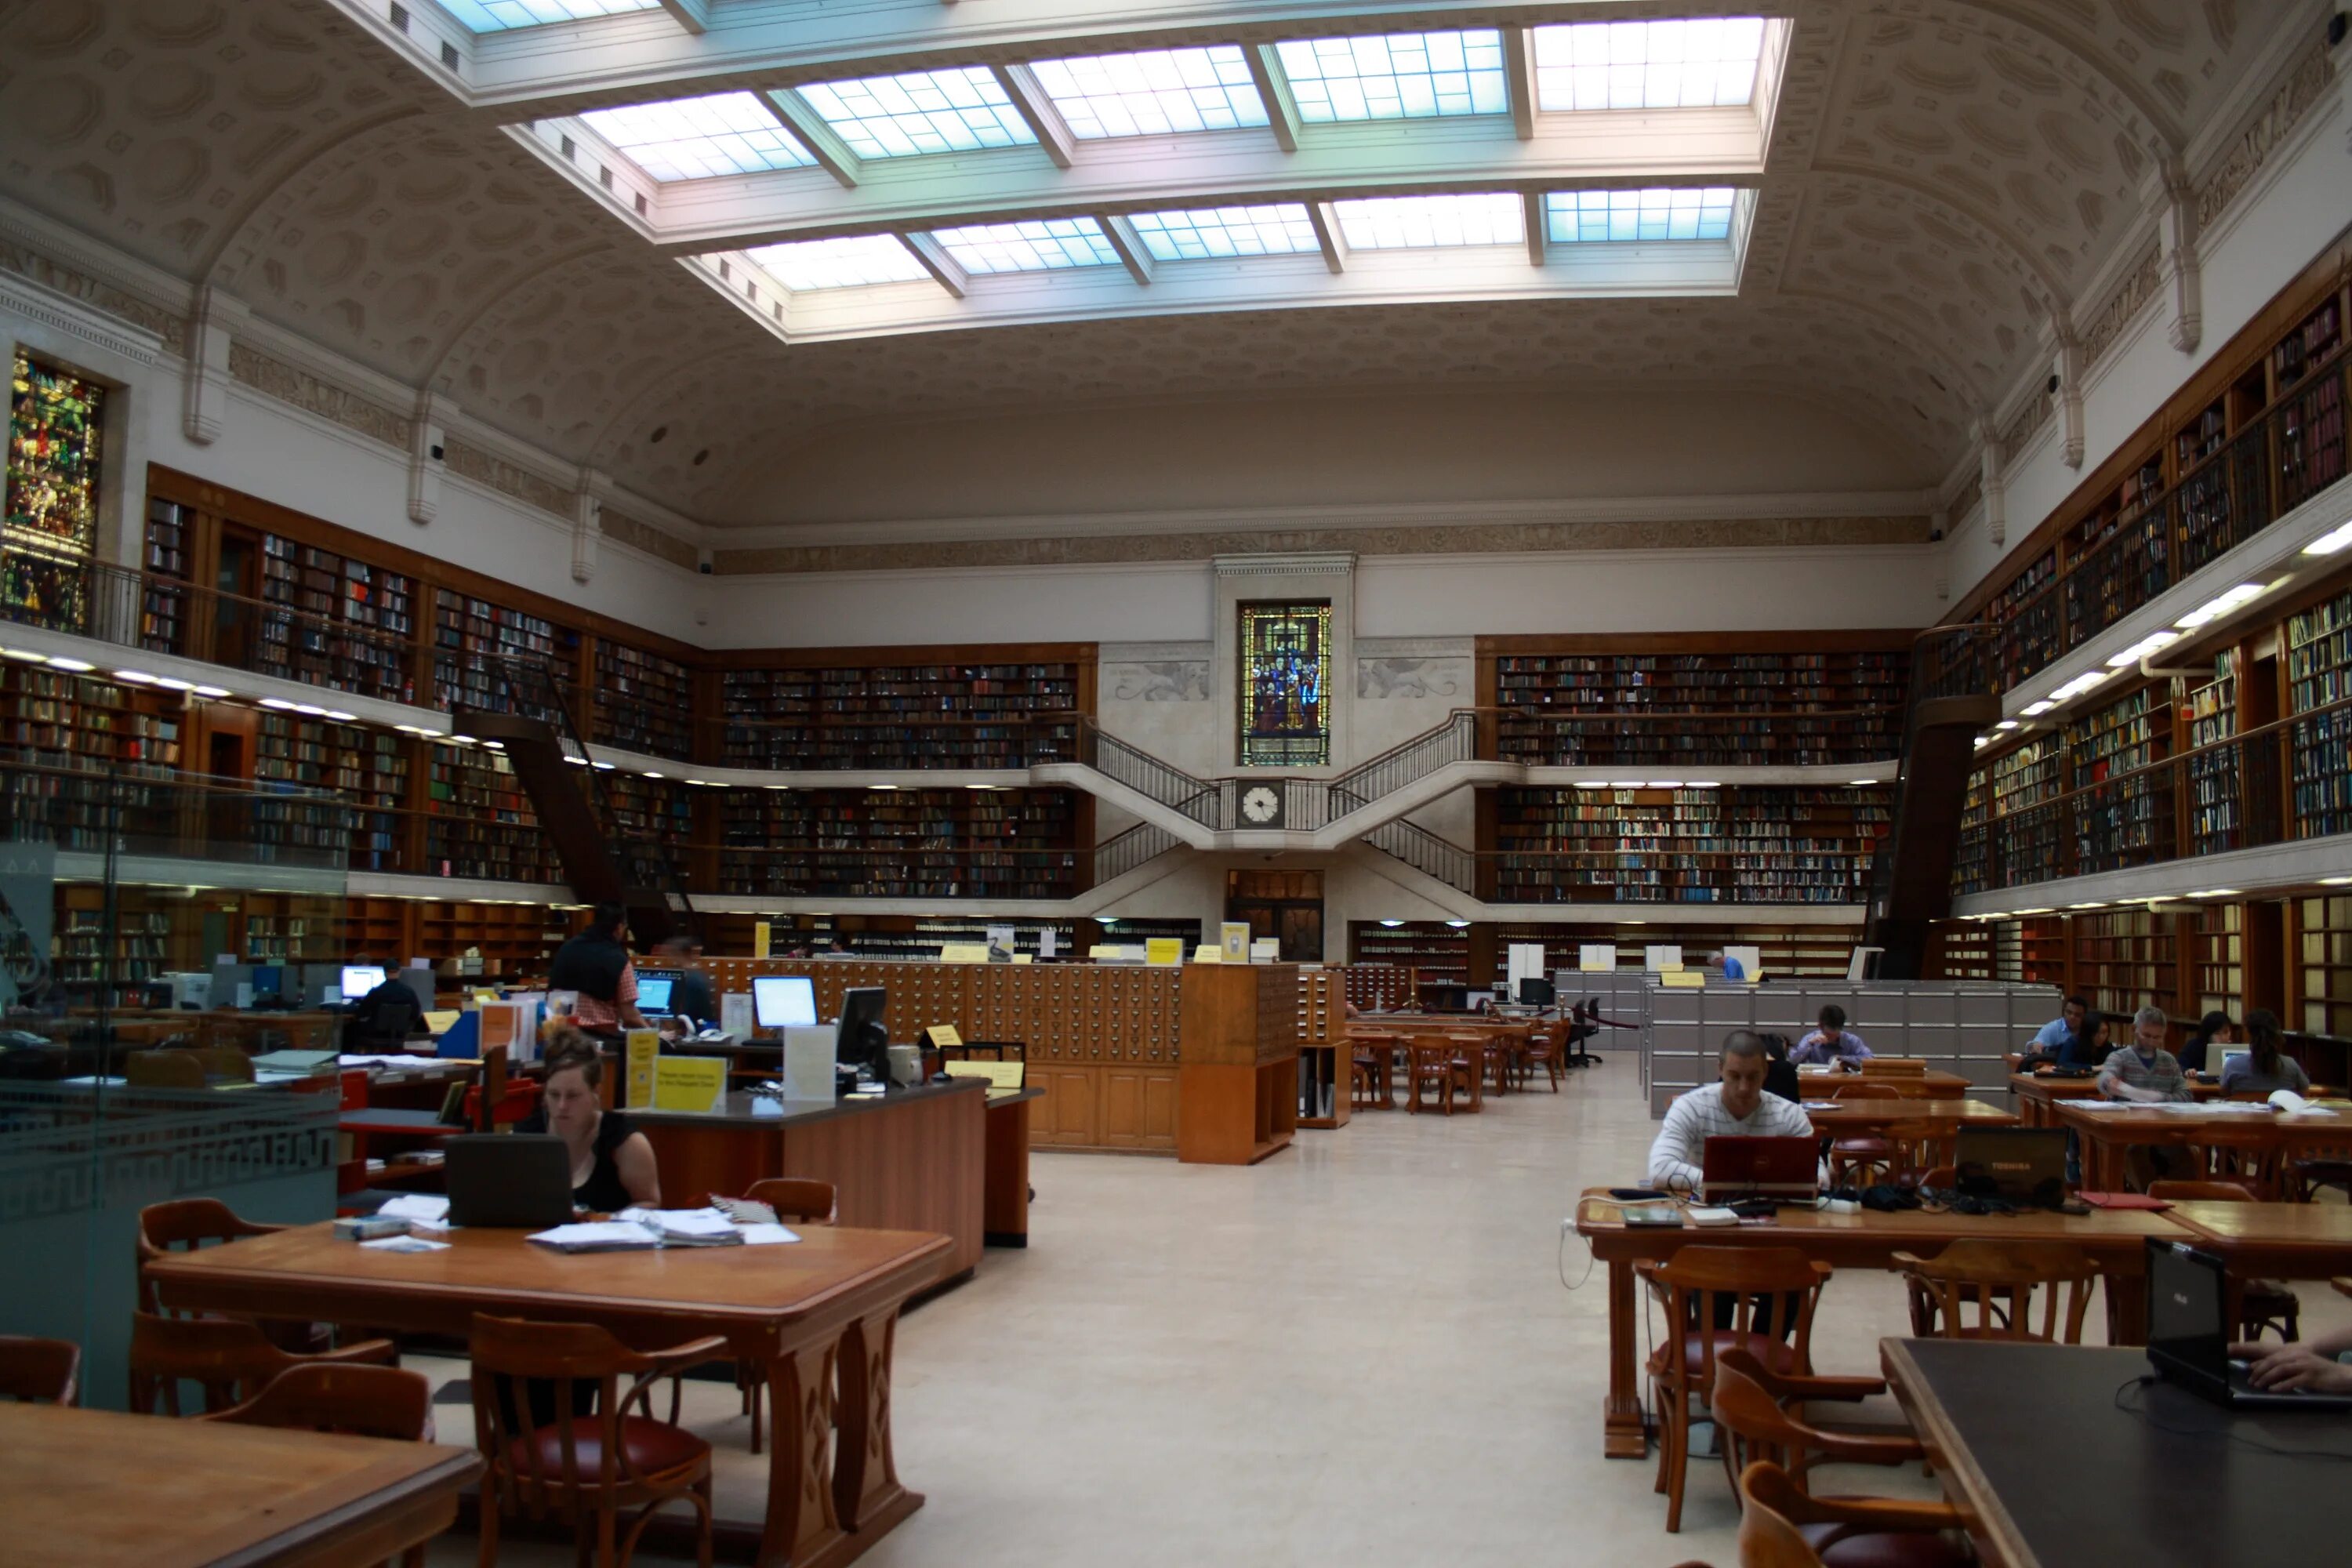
(1860, 782)
(1704, 784)
(2215, 608)
(136, 676)
(279, 704)
(340, 716)
(2035, 709)
(2335, 881)
(2005, 724)
(2141, 649)
(2331, 543)
(1592, 783)
(78, 666)
(651, 775)
(2089, 681)
(213, 692)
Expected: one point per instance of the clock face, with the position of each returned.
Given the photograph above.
(1261, 804)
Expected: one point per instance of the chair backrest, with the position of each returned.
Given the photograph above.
(1855, 1088)
(508, 1353)
(183, 1225)
(2247, 1155)
(1918, 1147)
(1768, 1291)
(388, 1029)
(1749, 1415)
(40, 1372)
(163, 1069)
(364, 1401)
(2198, 1193)
(1985, 1289)
(229, 1360)
(1769, 1537)
(801, 1198)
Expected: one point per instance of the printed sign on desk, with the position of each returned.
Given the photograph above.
(690, 1083)
(641, 1051)
(1233, 941)
(1661, 958)
(1596, 958)
(1208, 952)
(963, 952)
(759, 939)
(1163, 951)
(1004, 1078)
(736, 1015)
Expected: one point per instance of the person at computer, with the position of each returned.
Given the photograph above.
(2145, 1072)
(2089, 1048)
(612, 1162)
(2054, 1035)
(2316, 1363)
(1735, 1105)
(2265, 1068)
(597, 966)
(2197, 1053)
(1832, 1044)
(691, 996)
(1780, 1077)
(382, 1018)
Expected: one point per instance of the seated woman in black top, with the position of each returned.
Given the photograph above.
(2197, 1053)
(2089, 1046)
(612, 1162)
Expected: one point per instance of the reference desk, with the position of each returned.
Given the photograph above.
(2114, 1240)
(2152, 1475)
(99, 1489)
(821, 1314)
(914, 1159)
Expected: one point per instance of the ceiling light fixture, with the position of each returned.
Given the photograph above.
(2214, 609)
(2035, 709)
(2147, 645)
(2332, 543)
(213, 692)
(77, 665)
(2005, 724)
(136, 676)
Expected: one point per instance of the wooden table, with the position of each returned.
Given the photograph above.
(1929, 1085)
(2277, 1241)
(99, 1489)
(2038, 1095)
(2115, 1240)
(2153, 1476)
(2106, 1136)
(1847, 1118)
(829, 1301)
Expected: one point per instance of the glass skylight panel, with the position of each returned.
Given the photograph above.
(1207, 233)
(1041, 244)
(845, 263)
(959, 110)
(1587, 217)
(1158, 92)
(1648, 64)
(1396, 76)
(498, 16)
(700, 138)
(1413, 223)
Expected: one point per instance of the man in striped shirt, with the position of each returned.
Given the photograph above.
(1738, 1105)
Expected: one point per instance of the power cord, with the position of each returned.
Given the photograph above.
(2239, 1438)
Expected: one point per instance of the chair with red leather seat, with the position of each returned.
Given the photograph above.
(575, 1464)
(1761, 1298)
(1976, 1290)
(1866, 1153)
(228, 1359)
(1778, 1525)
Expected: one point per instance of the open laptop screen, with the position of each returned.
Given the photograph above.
(2185, 1309)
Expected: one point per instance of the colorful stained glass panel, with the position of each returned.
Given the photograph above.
(54, 421)
(1286, 689)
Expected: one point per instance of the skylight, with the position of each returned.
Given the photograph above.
(846, 263)
(1209, 232)
(958, 110)
(1041, 244)
(1572, 217)
(498, 16)
(700, 138)
(1396, 76)
(1409, 223)
(1648, 64)
(1155, 93)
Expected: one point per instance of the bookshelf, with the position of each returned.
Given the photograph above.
(2028, 607)
(2126, 959)
(2120, 821)
(643, 702)
(2319, 675)
(1783, 949)
(96, 969)
(162, 606)
(2042, 954)
(1967, 950)
(661, 810)
(1699, 708)
(325, 589)
(2215, 821)
(1972, 857)
(1764, 846)
(1434, 950)
(370, 768)
(480, 824)
(2022, 783)
(1377, 987)
(2119, 554)
(911, 716)
(467, 632)
(2324, 963)
(2310, 399)
(102, 723)
(512, 939)
(2218, 956)
(1013, 844)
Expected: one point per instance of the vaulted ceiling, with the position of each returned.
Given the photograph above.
(1943, 181)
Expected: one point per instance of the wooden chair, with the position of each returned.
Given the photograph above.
(1760, 1411)
(387, 1402)
(2262, 1303)
(1498, 1060)
(230, 1361)
(162, 1070)
(183, 1225)
(797, 1200)
(1766, 1296)
(582, 1466)
(1917, 1147)
(2246, 1157)
(1864, 1151)
(1998, 1280)
(1780, 1527)
(1370, 1053)
(40, 1372)
(1435, 1063)
(1543, 1051)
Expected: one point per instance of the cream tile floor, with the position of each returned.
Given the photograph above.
(1360, 1353)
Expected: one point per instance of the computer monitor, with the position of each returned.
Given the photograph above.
(1535, 993)
(359, 979)
(269, 982)
(784, 1001)
(860, 1040)
(653, 994)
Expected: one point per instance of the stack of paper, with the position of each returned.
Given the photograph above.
(423, 1211)
(599, 1236)
(686, 1227)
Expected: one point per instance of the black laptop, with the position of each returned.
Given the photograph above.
(2022, 1166)
(509, 1179)
(2189, 1334)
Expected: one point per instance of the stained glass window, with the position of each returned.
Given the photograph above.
(1285, 685)
(52, 525)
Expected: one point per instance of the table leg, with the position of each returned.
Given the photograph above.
(802, 1522)
(1623, 1433)
(2126, 1295)
(867, 1493)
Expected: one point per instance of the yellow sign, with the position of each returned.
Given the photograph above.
(759, 939)
(963, 952)
(690, 1083)
(1163, 951)
(1233, 941)
(944, 1034)
(441, 1022)
(1208, 952)
(1023, 958)
(1004, 1078)
(641, 1048)
(1683, 979)
(1105, 952)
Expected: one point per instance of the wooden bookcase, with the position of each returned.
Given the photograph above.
(2214, 819)
(1758, 845)
(1002, 706)
(372, 769)
(1323, 1050)
(2127, 821)
(2319, 674)
(1009, 844)
(642, 702)
(1432, 949)
(2218, 953)
(481, 825)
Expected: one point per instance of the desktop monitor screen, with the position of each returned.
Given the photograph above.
(267, 981)
(859, 1039)
(359, 979)
(653, 995)
(784, 1001)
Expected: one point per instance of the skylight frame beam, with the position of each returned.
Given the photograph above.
(1333, 244)
(1132, 253)
(1274, 91)
(694, 16)
(1519, 79)
(1533, 216)
(797, 115)
(1036, 106)
(936, 260)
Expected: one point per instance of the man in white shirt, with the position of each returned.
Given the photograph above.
(1738, 1105)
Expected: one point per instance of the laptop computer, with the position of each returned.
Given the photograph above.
(509, 1179)
(1734, 1165)
(2222, 1066)
(2025, 1166)
(2189, 1334)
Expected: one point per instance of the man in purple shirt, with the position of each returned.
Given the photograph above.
(1831, 1045)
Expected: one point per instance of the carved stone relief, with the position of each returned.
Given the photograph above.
(1160, 680)
(1411, 677)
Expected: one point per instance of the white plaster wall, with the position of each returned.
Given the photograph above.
(1153, 602)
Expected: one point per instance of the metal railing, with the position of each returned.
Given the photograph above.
(1116, 857)
(948, 741)
(911, 871)
(1427, 853)
(1146, 774)
(83, 804)
(1454, 739)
